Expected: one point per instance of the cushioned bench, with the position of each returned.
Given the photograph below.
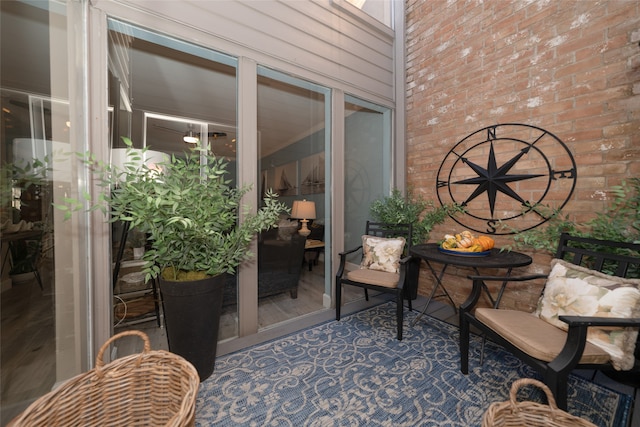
(585, 319)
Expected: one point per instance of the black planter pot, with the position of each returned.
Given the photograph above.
(192, 317)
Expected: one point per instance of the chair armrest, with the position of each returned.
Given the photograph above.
(478, 284)
(402, 271)
(350, 251)
(343, 260)
(405, 260)
(508, 278)
(571, 353)
(599, 321)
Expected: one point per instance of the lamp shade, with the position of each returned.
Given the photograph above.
(303, 209)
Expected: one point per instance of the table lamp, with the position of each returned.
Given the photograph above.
(304, 211)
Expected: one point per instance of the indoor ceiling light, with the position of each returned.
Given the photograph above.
(191, 138)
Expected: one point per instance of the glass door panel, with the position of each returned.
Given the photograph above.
(293, 128)
(367, 167)
(171, 96)
(41, 327)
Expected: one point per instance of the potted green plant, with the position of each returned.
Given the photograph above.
(423, 214)
(414, 209)
(197, 230)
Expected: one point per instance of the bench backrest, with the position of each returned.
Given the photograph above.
(608, 256)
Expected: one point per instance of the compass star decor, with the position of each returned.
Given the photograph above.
(512, 173)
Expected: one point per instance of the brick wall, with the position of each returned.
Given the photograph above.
(569, 67)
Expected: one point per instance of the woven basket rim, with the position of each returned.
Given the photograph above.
(108, 378)
(511, 413)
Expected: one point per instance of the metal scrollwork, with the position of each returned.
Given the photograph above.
(508, 177)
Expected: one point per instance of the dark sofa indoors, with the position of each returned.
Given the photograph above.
(280, 261)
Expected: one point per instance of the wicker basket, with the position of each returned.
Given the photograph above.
(530, 414)
(153, 388)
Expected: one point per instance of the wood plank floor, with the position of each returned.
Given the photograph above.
(27, 356)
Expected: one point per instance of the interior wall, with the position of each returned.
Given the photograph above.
(571, 67)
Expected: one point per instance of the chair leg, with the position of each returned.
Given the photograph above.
(366, 294)
(156, 300)
(558, 386)
(399, 313)
(484, 341)
(464, 344)
(338, 298)
(36, 273)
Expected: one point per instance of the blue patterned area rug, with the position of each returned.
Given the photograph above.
(355, 373)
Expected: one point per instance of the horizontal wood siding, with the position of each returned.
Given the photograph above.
(308, 38)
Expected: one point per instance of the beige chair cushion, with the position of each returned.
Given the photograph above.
(576, 291)
(534, 336)
(373, 277)
(382, 254)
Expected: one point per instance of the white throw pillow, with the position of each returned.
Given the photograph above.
(572, 290)
(382, 254)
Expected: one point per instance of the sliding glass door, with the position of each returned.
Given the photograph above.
(293, 124)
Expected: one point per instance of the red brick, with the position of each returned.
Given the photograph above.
(621, 129)
(537, 16)
(603, 145)
(600, 121)
(601, 97)
(584, 135)
(578, 67)
(588, 75)
(582, 90)
(588, 112)
(627, 155)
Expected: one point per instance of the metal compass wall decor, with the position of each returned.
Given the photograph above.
(508, 177)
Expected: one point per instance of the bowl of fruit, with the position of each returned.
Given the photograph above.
(466, 244)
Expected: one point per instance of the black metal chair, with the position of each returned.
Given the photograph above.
(553, 352)
(25, 255)
(400, 283)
